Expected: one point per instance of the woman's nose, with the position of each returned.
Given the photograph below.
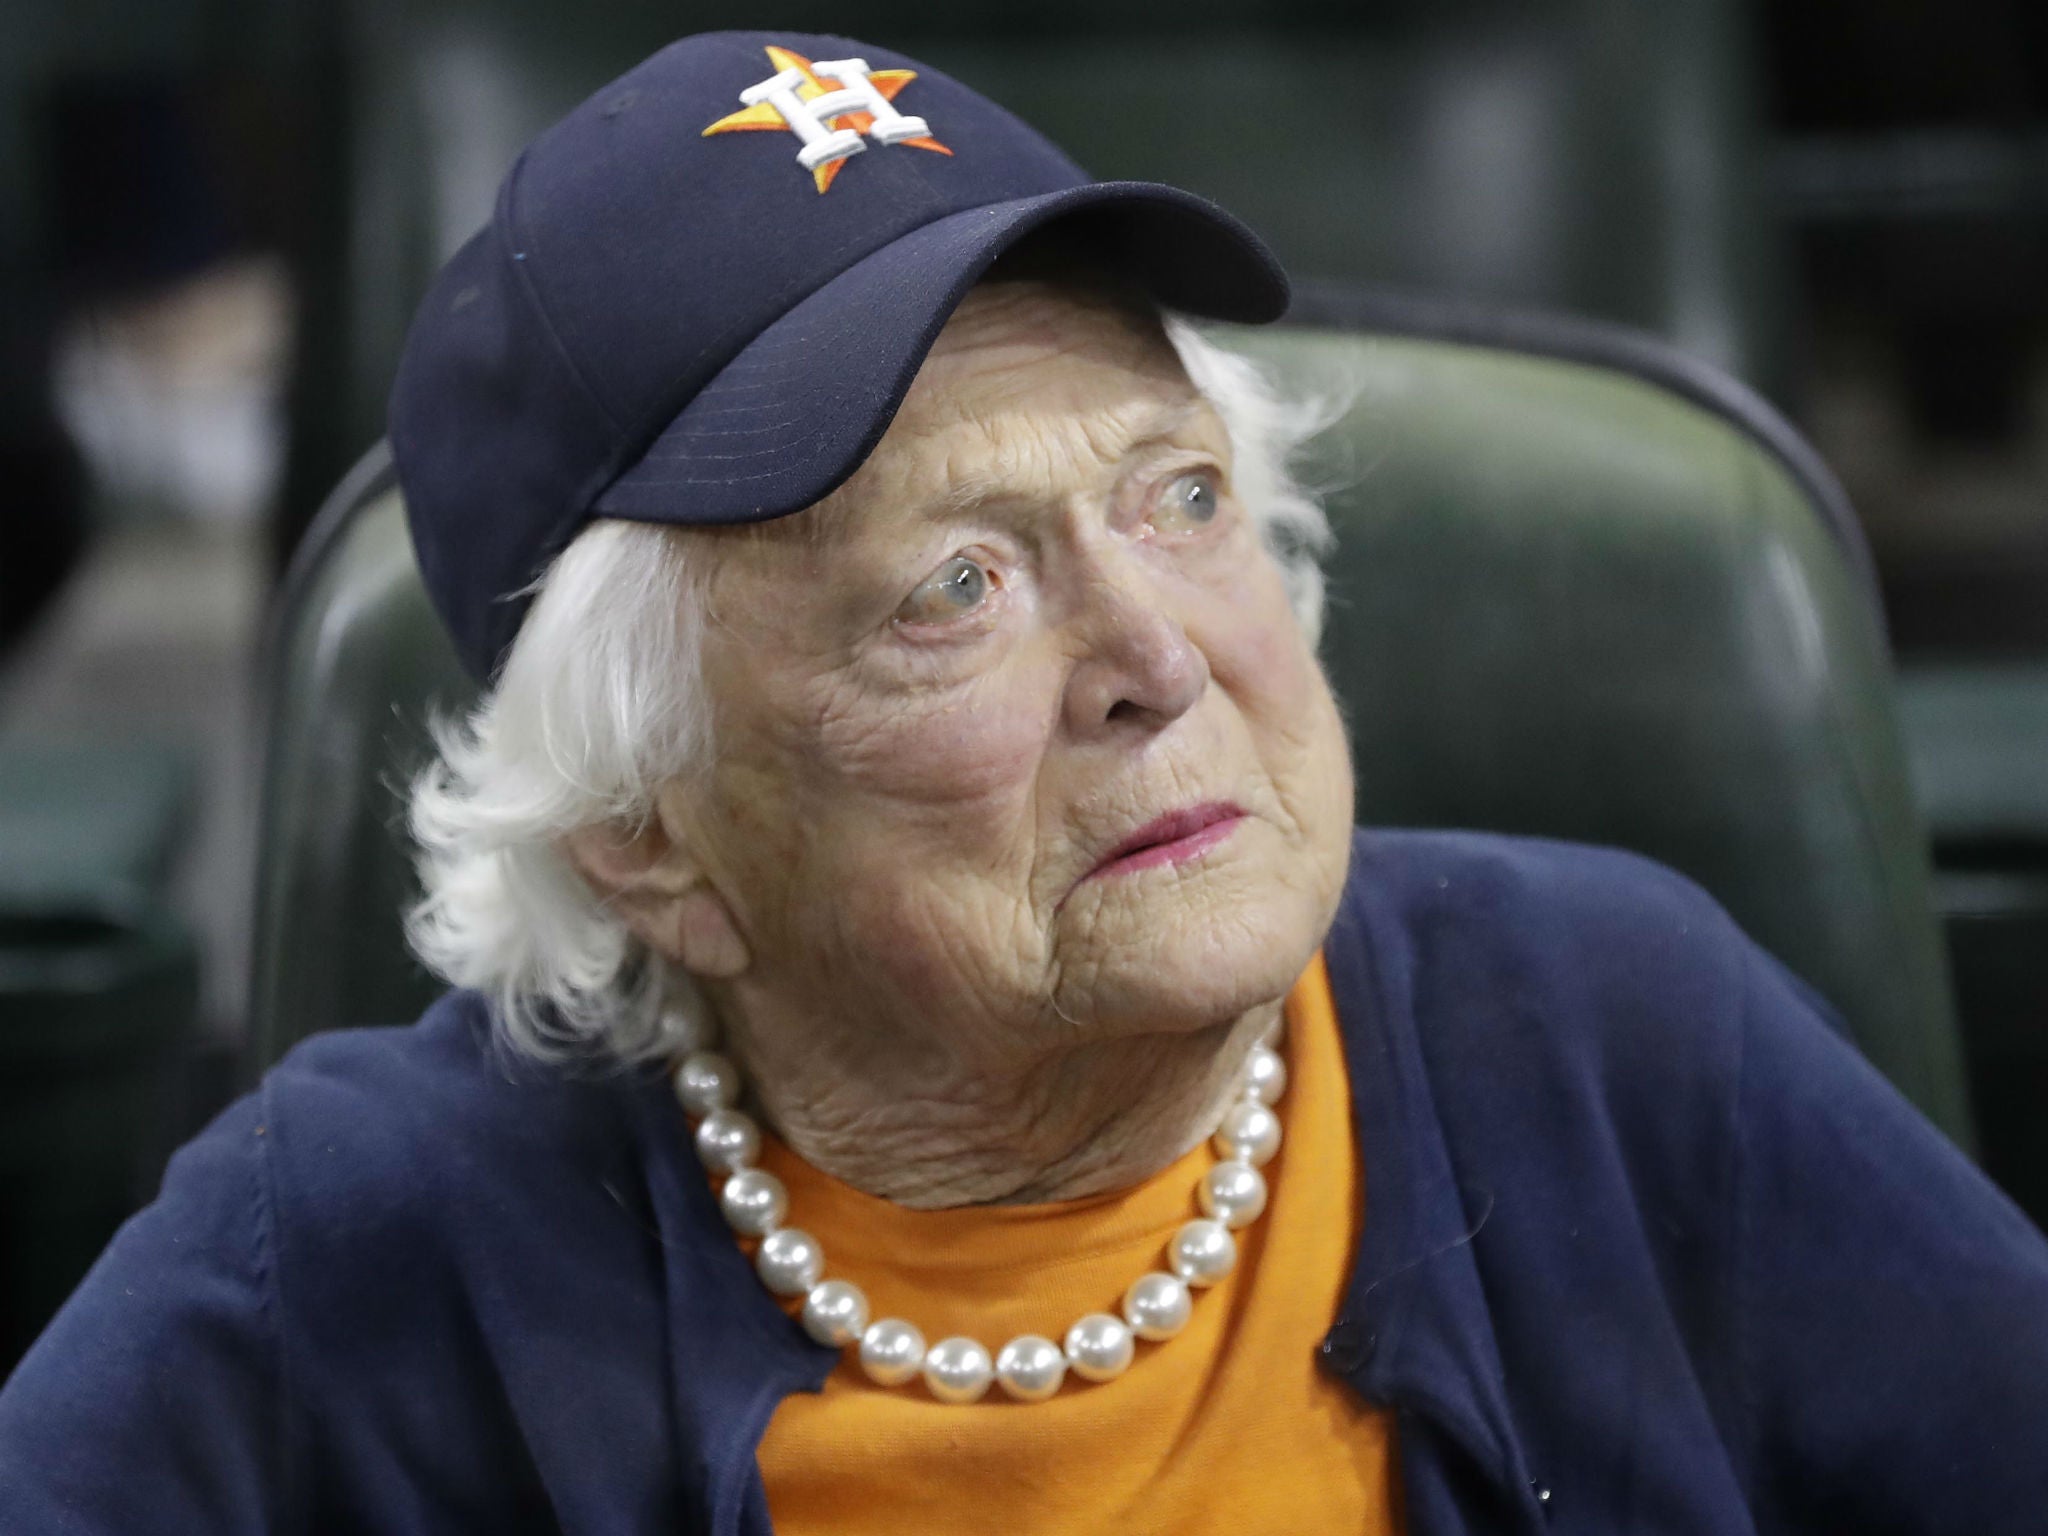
(1137, 667)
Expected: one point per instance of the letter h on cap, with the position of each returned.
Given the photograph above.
(808, 119)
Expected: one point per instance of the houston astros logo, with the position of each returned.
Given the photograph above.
(830, 122)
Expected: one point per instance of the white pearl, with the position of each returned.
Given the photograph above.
(1157, 1306)
(1250, 1133)
(1265, 1075)
(1234, 1193)
(1099, 1346)
(835, 1312)
(957, 1370)
(754, 1202)
(1202, 1252)
(790, 1261)
(728, 1140)
(707, 1081)
(891, 1352)
(1031, 1368)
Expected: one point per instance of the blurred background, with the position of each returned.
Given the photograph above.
(216, 217)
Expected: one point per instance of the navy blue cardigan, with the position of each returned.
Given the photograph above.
(1647, 1249)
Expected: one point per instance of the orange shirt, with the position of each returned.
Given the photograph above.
(1230, 1426)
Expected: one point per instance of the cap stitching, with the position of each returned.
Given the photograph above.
(778, 450)
(509, 235)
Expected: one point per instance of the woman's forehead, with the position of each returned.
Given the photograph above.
(1024, 373)
(1084, 318)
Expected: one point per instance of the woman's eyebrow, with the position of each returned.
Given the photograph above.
(980, 490)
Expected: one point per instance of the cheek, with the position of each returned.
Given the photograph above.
(1260, 658)
(1256, 650)
(903, 839)
(920, 933)
(888, 855)
(971, 747)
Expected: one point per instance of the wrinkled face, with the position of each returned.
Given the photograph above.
(1017, 738)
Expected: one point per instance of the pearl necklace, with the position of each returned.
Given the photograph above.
(1030, 1368)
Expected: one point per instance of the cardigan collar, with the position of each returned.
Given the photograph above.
(1413, 1331)
(733, 1354)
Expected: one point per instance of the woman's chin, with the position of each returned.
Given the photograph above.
(1181, 950)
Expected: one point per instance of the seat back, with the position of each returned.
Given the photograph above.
(357, 663)
(99, 989)
(1581, 589)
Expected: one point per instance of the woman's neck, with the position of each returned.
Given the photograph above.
(1093, 1117)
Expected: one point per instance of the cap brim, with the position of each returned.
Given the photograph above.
(803, 404)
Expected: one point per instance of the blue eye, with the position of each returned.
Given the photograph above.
(1189, 501)
(955, 588)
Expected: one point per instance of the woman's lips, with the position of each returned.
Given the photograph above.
(1172, 839)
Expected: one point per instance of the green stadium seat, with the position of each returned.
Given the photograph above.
(1583, 588)
(97, 999)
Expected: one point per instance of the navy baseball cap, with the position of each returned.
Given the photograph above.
(703, 294)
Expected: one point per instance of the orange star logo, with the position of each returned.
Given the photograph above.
(763, 115)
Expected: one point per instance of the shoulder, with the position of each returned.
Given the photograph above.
(1455, 874)
(443, 1078)
(1531, 976)
(383, 1256)
(425, 1147)
(1521, 916)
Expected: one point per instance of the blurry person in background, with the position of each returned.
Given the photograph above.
(114, 206)
(42, 508)
(928, 1047)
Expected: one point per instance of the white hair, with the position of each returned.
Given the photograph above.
(601, 700)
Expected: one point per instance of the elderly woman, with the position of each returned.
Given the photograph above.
(930, 1052)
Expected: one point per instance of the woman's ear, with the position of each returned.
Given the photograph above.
(654, 884)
